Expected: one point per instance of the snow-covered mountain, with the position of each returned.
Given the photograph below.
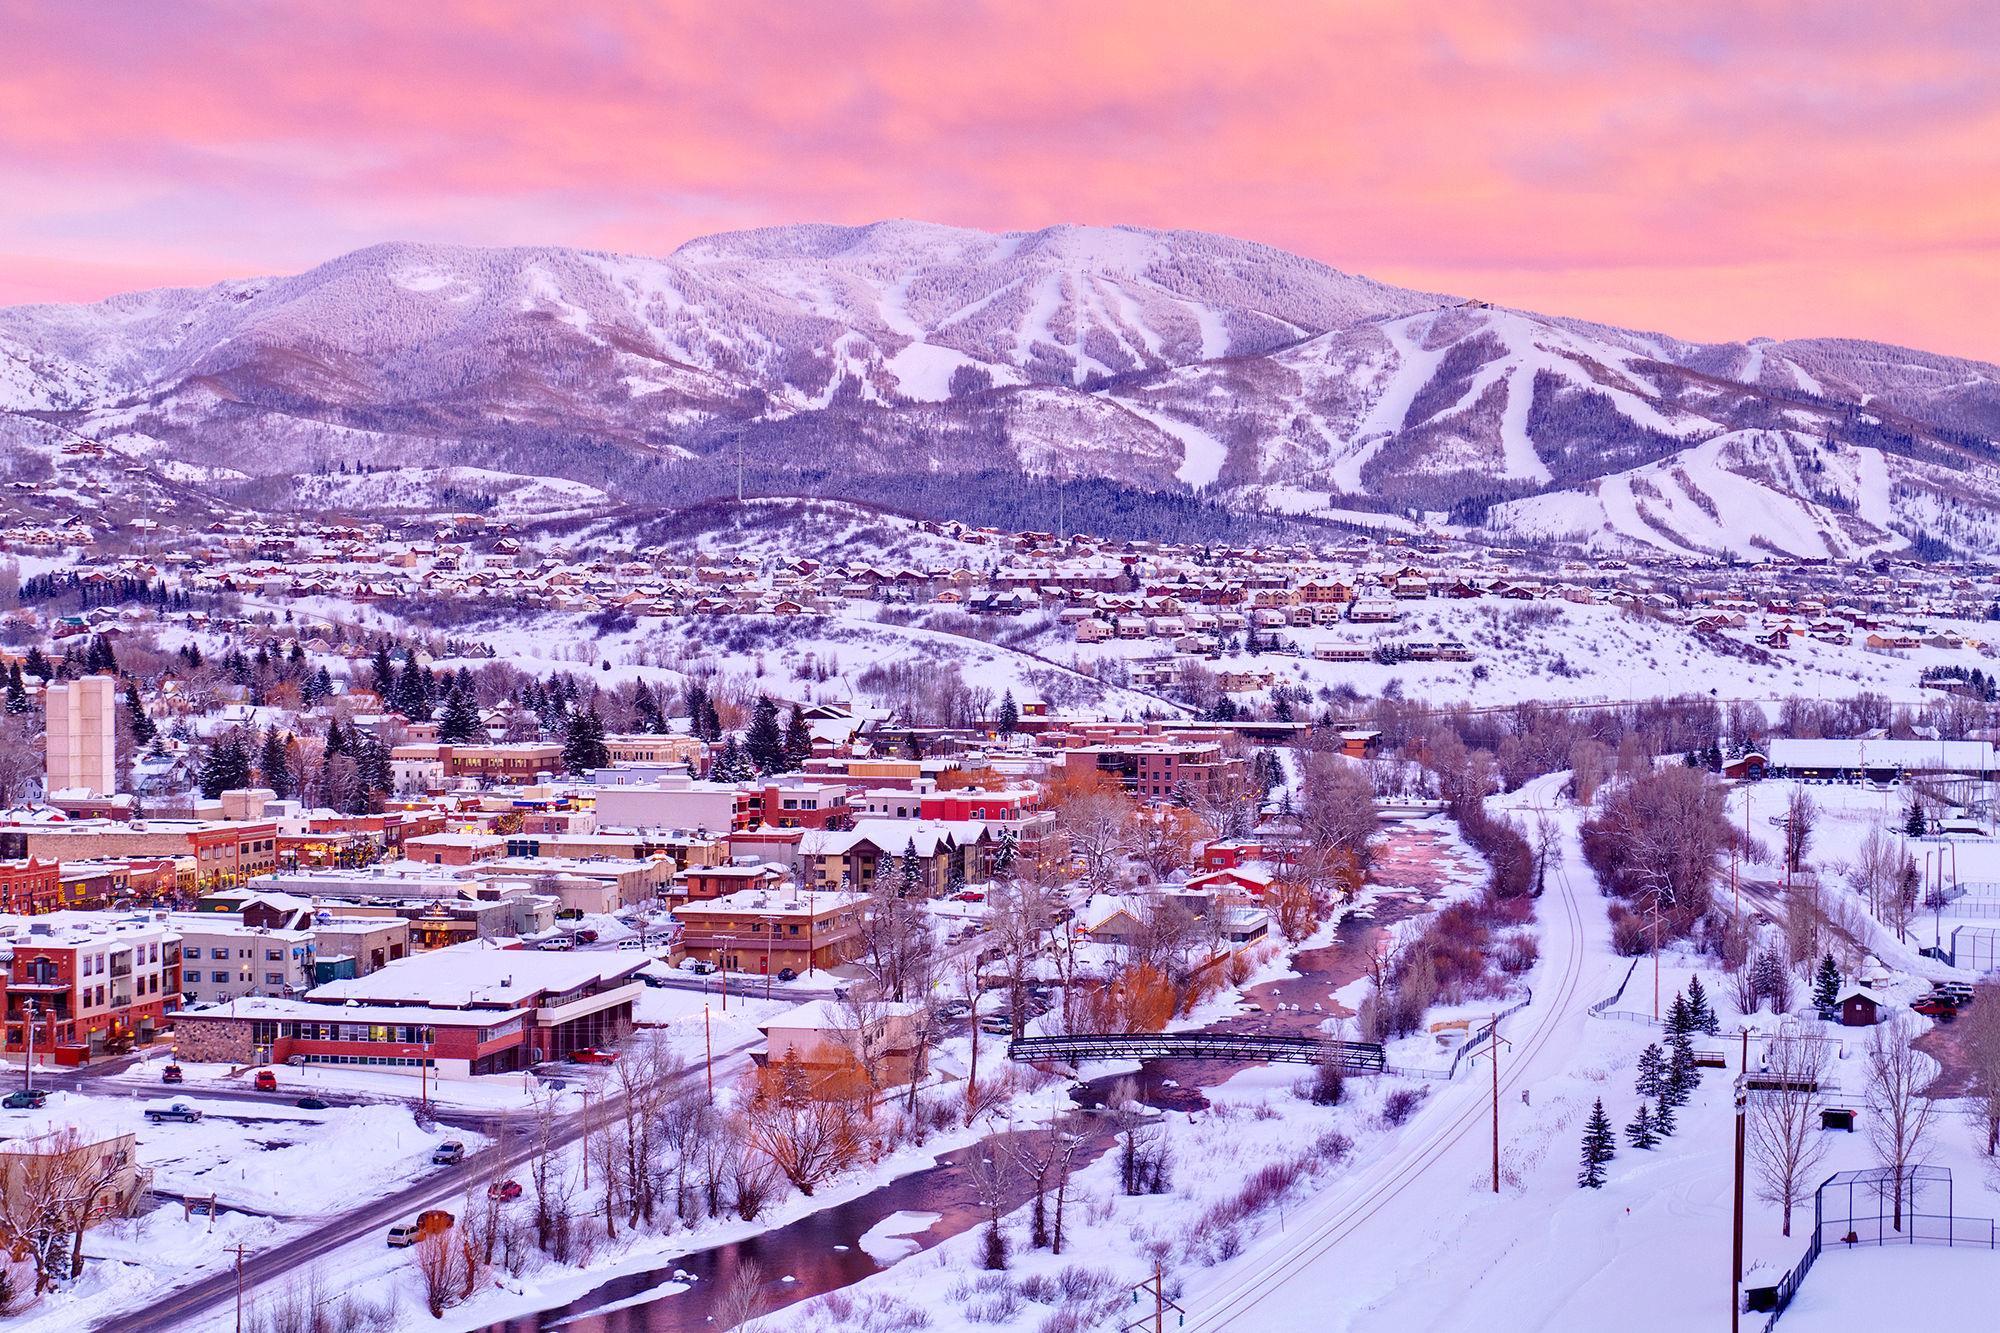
(1157, 359)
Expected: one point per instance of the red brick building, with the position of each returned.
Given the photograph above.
(86, 981)
(30, 886)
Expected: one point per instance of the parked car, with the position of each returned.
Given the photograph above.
(630, 944)
(449, 1153)
(590, 1055)
(504, 1190)
(697, 966)
(558, 942)
(586, 937)
(1932, 1006)
(999, 1024)
(787, 974)
(429, 1223)
(654, 979)
(311, 1103)
(265, 1081)
(180, 1111)
(171, 1074)
(953, 1010)
(27, 1099)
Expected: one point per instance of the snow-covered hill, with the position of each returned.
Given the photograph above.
(1158, 359)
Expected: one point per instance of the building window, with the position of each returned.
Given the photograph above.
(220, 978)
(274, 978)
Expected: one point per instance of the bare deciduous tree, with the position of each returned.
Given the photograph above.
(1899, 1115)
(1979, 1037)
(1783, 1134)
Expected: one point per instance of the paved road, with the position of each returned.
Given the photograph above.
(187, 1306)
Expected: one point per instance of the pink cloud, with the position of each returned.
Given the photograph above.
(1714, 170)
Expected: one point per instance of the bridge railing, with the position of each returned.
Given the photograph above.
(1353, 1056)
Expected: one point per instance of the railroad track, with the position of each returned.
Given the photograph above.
(1234, 1303)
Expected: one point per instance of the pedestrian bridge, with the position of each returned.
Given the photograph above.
(1356, 1057)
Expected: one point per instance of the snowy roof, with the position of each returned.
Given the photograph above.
(1858, 991)
(479, 973)
(1790, 752)
(271, 1007)
(833, 1016)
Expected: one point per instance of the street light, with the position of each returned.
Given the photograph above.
(1736, 1257)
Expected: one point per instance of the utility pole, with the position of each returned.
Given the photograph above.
(707, 1053)
(238, 1249)
(1736, 1261)
(28, 1065)
(1492, 1053)
(1157, 1321)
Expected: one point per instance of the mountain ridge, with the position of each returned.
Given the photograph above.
(1157, 359)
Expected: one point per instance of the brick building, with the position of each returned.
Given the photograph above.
(87, 981)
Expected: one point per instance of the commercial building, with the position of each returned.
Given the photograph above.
(767, 931)
(224, 959)
(85, 981)
(469, 1010)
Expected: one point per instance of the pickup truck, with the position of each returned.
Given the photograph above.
(180, 1111)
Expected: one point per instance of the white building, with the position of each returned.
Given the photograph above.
(82, 717)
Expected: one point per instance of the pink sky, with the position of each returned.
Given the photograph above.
(1712, 170)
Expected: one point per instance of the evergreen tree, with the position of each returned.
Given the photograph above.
(274, 765)
(38, 665)
(1663, 1119)
(226, 767)
(1683, 1075)
(1003, 855)
(1641, 1133)
(1680, 1020)
(711, 720)
(336, 740)
(1826, 988)
(142, 728)
(764, 742)
(646, 711)
(1652, 1079)
(1700, 1010)
(385, 673)
(730, 765)
(98, 659)
(798, 739)
(460, 720)
(583, 744)
(318, 688)
(1913, 821)
(699, 714)
(909, 872)
(1600, 1145)
(1010, 714)
(17, 693)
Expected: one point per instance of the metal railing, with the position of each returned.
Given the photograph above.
(1615, 996)
(1361, 1057)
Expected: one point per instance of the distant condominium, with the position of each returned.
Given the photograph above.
(82, 715)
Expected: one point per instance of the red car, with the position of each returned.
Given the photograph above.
(1932, 1006)
(592, 1056)
(171, 1074)
(265, 1081)
(504, 1190)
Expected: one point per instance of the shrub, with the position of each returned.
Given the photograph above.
(1325, 1085)
(1401, 1104)
(1628, 932)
